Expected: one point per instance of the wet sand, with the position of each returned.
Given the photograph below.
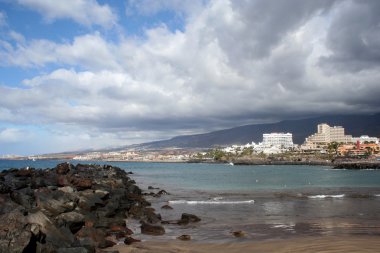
(326, 244)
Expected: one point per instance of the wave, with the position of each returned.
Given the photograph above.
(211, 202)
(326, 196)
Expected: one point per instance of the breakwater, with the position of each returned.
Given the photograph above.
(70, 208)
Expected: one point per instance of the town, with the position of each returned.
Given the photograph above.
(327, 144)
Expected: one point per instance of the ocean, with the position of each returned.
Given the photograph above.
(264, 202)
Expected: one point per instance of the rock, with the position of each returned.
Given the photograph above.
(4, 188)
(167, 207)
(152, 188)
(89, 201)
(238, 233)
(102, 194)
(67, 189)
(160, 193)
(24, 173)
(63, 168)
(72, 220)
(119, 232)
(57, 237)
(91, 237)
(82, 183)
(149, 229)
(73, 250)
(69, 209)
(15, 232)
(130, 240)
(106, 244)
(22, 199)
(151, 217)
(186, 218)
(184, 237)
(53, 203)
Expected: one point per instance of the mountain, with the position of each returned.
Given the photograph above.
(354, 125)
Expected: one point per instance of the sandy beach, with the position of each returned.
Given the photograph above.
(326, 244)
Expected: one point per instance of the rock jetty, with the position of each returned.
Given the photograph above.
(69, 208)
(358, 165)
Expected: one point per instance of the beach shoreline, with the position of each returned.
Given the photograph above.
(325, 244)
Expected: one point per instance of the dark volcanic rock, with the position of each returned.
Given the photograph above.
(69, 209)
(63, 168)
(184, 237)
(150, 229)
(15, 232)
(4, 188)
(186, 218)
(130, 240)
(167, 207)
(72, 220)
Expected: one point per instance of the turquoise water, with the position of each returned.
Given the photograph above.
(221, 177)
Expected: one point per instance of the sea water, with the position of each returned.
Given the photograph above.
(265, 202)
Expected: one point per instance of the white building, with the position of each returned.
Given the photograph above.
(284, 140)
(327, 134)
(365, 138)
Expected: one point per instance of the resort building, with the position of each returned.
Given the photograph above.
(284, 140)
(358, 149)
(365, 139)
(326, 135)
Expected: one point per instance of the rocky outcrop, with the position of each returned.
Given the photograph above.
(70, 209)
(358, 165)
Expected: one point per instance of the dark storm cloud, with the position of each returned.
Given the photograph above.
(354, 37)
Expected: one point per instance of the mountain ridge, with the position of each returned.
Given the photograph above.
(354, 125)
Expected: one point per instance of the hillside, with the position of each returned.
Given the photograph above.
(355, 125)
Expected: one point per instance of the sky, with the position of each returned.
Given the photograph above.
(89, 74)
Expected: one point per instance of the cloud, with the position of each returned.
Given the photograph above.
(354, 37)
(10, 135)
(234, 63)
(85, 12)
(89, 51)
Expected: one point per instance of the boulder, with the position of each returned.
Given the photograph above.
(130, 240)
(72, 220)
(238, 233)
(15, 233)
(56, 237)
(63, 168)
(82, 183)
(184, 237)
(167, 207)
(186, 218)
(4, 188)
(149, 229)
(53, 203)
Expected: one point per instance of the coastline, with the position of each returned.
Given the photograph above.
(312, 244)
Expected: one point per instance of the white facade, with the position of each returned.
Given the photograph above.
(365, 138)
(327, 134)
(284, 140)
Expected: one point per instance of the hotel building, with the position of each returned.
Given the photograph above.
(327, 134)
(284, 140)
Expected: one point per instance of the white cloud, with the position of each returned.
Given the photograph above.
(11, 135)
(89, 51)
(85, 12)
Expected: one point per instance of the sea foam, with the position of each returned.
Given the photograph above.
(327, 196)
(211, 202)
